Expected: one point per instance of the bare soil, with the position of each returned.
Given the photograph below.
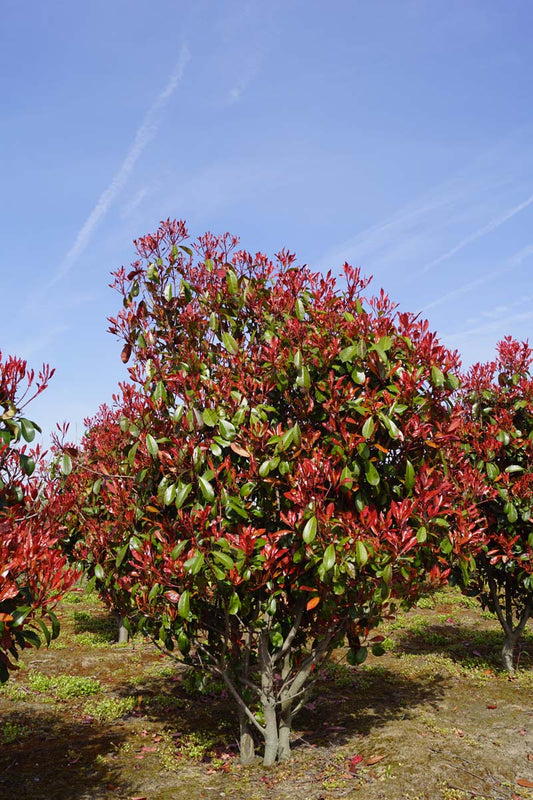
(433, 718)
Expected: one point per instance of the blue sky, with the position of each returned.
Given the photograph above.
(395, 134)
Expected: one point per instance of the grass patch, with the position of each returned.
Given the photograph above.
(110, 708)
(12, 732)
(63, 687)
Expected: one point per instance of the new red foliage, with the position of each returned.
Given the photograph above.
(32, 572)
(276, 480)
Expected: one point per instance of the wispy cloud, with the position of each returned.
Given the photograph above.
(146, 131)
(513, 262)
(477, 234)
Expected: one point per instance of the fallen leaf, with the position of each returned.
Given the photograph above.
(525, 783)
(354, 763)
(492, 707)
(148, 749)
(373, 760)
(530, 756)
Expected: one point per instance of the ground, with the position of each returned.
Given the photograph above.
(434, 718)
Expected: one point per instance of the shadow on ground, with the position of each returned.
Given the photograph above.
(344, 702)
(463, 644)
(55, 760)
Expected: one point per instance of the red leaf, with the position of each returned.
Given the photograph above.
(313, 602)
(354, 762)
(126, 353)
(525, 783)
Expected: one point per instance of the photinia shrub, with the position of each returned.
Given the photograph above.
(497, 435)
(32, 574)
(278, 480)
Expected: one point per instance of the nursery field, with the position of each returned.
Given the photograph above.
(435, 717)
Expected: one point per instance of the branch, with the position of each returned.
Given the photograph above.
(494, 594)
(292, 633)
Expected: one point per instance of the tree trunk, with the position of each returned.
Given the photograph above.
(246, 740)
(122, 634)
(271, 734)
(284, 737)
(508, 653)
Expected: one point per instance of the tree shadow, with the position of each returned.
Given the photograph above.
(54, 759)
(465, 645)
(345, 702)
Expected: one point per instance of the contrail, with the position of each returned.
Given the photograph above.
(495, 223)
(515, 261)
(145, 133)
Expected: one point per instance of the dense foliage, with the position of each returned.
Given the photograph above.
(31, 570)
(498, 437)
(273, 480)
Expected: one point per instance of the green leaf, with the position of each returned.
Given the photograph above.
(195, 563)
(512, 514)
(391, 426)
(184, 644)
(182, 493)
(303, 379)
(55, 624)
(232, 281)
(32, 638)
(46, 633)
(348, 354)
(210, 417)
(184, 604)
(160, 393)
(224, 559)
(368, 428)
(356, 657)
(361, 553)
(310, 530)
(409, 475)
(234, 604)
(121, 555)
(437, 377)
(264, 469)
(179, 548)
(27, 428)
(421, 535)
(492, 470)
(276, 637)
(372, 475)
(170, 494)
(206, 489)
(27, 464)
(19, 615)
(329, 557)
(66, 464)
(514, 468)
(299, 309)
(99, 572)
(378, 650)
(230, 344)
(227, 430)
(151, 445)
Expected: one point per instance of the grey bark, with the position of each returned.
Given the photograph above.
(122, 633)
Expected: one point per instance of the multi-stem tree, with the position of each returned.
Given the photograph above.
(278, 478)
(32, 574)
(497, 399)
